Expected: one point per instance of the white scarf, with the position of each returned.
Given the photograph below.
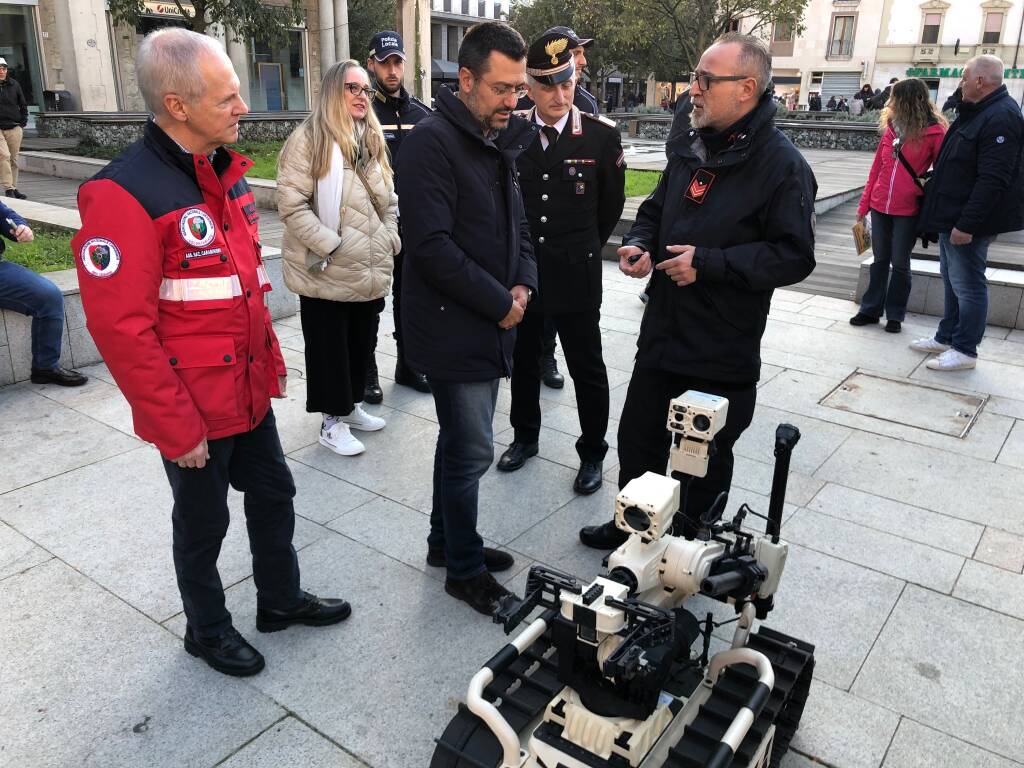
(328, 191)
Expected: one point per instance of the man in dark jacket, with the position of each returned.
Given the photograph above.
(975, 193)
(397, 112)
(573, 178)
(13, 118)
(469, 274)
(881, 99)
(814, 103)
(731, 220)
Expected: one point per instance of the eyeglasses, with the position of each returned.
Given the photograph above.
(355, 89)
(705, 80)
(501, 91)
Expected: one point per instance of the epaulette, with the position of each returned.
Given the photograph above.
(601, 119)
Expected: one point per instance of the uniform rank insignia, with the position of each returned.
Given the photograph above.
(699, 186)
(100, 257)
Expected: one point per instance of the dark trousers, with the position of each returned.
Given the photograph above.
(22, 290)
(338, 347)
(644, 440)
(892, 240)
(548, 338)
(396, 303)
(465, 450)
(581, 344)
(253, 463)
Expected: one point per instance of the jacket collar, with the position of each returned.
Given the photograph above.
(397, 103)
(970, 109)
(510, 142)
(228, 166)
(761, 120)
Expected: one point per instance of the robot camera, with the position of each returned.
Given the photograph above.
(647, 505)
(694, 418)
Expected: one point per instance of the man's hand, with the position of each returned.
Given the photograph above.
(196, 458)
(514, 316)
(680, 269)
(520, 295)
(23, 233)
(282, 384)
(956, 237)
(641, 267)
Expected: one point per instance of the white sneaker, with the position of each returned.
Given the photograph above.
(929, 345)
(360, 419)
(952, 360)
(341, 440)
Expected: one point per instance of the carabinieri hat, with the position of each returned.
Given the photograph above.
(549, 60)
(575, 41)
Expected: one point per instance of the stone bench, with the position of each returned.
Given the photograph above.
(927, 294)
(77, 347)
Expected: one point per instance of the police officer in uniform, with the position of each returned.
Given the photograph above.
(398, 111)
(584, 101)
(573, 181)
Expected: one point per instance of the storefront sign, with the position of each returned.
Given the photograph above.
(1008, 74)
(165, 9)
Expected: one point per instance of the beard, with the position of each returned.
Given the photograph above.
(487, 121)
(700, 119)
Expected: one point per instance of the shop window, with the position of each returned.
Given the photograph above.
(18, 47)
(277, 78)
(930, 29)
(993, 28)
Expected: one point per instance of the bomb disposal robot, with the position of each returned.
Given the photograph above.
(611, 673)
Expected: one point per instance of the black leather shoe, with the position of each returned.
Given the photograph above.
(549, 372)
(373, 394)
(588, 479)
(407, 377)
(12, 192)
(516, 455)
(60, 376)
(605, 536)
(313, 611)
(495, 560)
(228, 652)
(861, 319)
(893, 326)
(481, 592)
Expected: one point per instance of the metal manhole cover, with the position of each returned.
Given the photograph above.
(914, 404)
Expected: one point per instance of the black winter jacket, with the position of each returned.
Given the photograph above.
(977, 185)
(466, 242)
(13, 107)
(750, 212)
(397, 116)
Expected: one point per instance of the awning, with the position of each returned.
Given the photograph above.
(442, 69)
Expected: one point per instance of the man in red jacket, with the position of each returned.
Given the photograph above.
(172, 284)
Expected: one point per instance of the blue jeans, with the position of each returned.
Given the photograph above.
(465, 450)
(966, 306)
(23, 291)
(892, 239)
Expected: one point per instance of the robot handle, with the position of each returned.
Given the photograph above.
(786, 438)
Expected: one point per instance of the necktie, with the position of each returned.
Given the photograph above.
(552, 136)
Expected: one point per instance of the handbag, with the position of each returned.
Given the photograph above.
(922, 180)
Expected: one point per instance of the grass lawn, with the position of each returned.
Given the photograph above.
(50, 251)
(264, 164)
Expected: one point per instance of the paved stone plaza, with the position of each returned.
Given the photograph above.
(905, 568)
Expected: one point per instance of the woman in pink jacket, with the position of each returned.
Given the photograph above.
(911, 126)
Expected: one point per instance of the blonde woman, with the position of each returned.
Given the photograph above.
(912, 131)
(336, 198)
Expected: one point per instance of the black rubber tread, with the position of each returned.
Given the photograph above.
(793, 663)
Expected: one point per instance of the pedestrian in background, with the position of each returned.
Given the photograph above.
(13, 119)
(912, 131)
(975, 194)
(337, 201)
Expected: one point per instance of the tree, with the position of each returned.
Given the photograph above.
(365, 19)
(248, 18)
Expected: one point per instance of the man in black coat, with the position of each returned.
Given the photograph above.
(814, 103)
(469, 274)
(13, 118)
(573, 178)
(975, 193)
(397, 112)
(731, 220)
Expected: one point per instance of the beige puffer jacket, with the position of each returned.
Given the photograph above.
(361, 268)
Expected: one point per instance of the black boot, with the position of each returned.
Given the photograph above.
(407, 377)
(549, 372)
(373, 393)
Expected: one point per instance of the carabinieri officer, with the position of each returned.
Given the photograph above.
(573, 182)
